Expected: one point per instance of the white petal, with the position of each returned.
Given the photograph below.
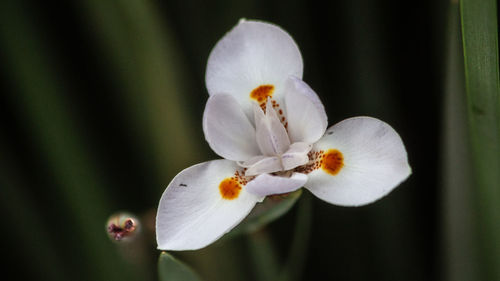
(272, 137)
(252, 161)
(266, 184)
(296, 155)
(228, 130)
(374, 162)
(192, 213)
(252, 54)
(306, 115)
(265, 165)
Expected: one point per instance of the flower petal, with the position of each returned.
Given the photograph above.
(363, 160)
(264, 165)
(272, 137)
(251, 55)
(266, 184)
(228, 130)
(252, 161)
(307, 120)
(193, 212)
(296, 155)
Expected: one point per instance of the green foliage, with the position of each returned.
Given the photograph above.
(458, 227)
(106, 100)
(171, 269)
(480, 45)
(266, 212)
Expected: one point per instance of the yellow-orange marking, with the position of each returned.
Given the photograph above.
(314, 162)
(332, 161)
(261, 93)
(229, 188)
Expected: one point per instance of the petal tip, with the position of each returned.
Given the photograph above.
(376, 162)
(252, 53)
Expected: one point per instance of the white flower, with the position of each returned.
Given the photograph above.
(271, 129)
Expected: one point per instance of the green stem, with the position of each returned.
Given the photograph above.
(297, 255)
(263, 254)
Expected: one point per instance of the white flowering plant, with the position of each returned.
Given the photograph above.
(271, 130)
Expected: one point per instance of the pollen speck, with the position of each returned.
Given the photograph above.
(229, 188)
(332, 161)
(261, 93)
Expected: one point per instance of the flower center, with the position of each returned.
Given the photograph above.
(261, 93)
(229, 188)
(277, 152)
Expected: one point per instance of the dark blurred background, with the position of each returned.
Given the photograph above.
(102, 104)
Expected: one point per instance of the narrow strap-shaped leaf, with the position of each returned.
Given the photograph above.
(458, 228)
(480, 43)
(149, 66)
(171, 269)
(40, 97)
(21, 222)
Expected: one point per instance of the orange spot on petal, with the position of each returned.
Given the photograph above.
(332, 161)
(261, 93)
(229, 188)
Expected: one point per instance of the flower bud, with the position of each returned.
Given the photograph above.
(122, 226)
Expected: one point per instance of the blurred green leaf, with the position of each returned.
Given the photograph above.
(480, 43)
(45, 259)
(459, 244)
(171, 269)
(150, 68)
(42, 98)
(269, 210)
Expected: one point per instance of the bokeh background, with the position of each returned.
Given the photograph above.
(102, 103)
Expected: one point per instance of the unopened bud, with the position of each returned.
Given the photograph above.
(122, 226)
